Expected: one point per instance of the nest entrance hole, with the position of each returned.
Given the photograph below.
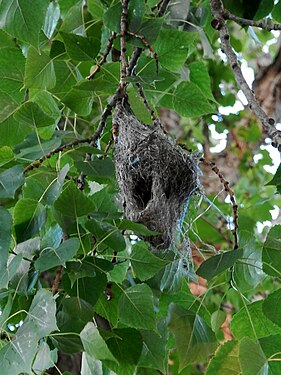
(143, 192)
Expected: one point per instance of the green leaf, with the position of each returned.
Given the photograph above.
(11, 271)
(50, 257)
(47, 104)
(52, 237)
(276, 12)
(276, 180)
(73, 20)
(77, 270)
(252, 358)
(94, 344)
(51, 19)
(72, 317)
(6, 155)
(264, 8)
(144, 263)
(20, 352)
(136, 307)
(12, 79)
(67, 75)
(137, 105)
(173, 276)
(30, 113)
(8, 106)
(11, 132)
(154, 345)
(75, 314)
(126, 345)
(29, 218)
(10, 181)
(19, 276)
(42, 312)
(218, 264)
(5, 236)
(225, 361)
(269, 307)
(107, 234)
(45, 358)
(53, 192)
(105, 203)
(39, 70)
(23, 19)
(72, 202)
(172, 48)
(17, 356)
(271, 255)
(189, 101)
(217, 319)
(185, 299)
(271, 348)
(108, 308)
(6, 310)
(136, 228)
(83, 287)
(96, 168)
(250, 321)
(194, 340)
(112, 17)
(149, 28)
(80, 48)
(119, 272)
(248, 270)
(136, 13)
(96, 8)
(32, 150)
(198, 74)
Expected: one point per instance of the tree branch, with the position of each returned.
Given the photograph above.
(123, 28)
(219, 24)
(246, 22)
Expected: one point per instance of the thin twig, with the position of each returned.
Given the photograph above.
(123, 29)
(133, 62)
(147, 44)
(107, 148)
(157, 6)
(163, 7)
(56, 283)
(145, 102)
(220, 24)
(104, 56)
(225, 183)
(37, 163)
(246, 22)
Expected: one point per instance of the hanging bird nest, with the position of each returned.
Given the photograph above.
(155, 177)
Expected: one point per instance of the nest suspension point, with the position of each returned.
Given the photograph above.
(155, 177)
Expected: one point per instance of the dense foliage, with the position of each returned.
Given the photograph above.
(74, 274)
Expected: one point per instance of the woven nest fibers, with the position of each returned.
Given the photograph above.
(155, 177)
